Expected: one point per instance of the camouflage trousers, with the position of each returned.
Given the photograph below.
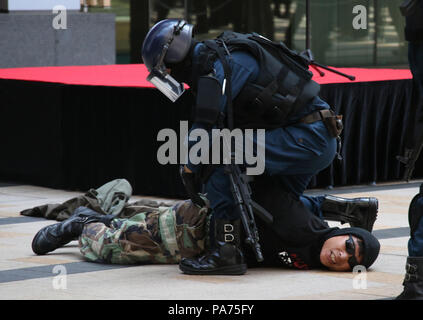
(154, 235)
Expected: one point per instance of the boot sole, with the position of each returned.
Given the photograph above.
(369, 220)
(371, 217)
(239, 269)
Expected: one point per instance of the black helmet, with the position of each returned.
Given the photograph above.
(168, 42)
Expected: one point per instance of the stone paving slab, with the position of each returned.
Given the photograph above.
(23, 275)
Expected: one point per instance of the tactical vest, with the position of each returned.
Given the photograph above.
(283, 86)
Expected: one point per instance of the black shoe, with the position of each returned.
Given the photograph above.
(413, 281)
(216, 263)
(57, 235)
(225, 259)
(358, 212)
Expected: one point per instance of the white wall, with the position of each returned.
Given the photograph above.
(16, 5)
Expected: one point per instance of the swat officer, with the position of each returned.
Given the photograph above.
(235, 76)
(413, 281)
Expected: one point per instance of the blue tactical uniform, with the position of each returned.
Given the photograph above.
(413, 281)
(414, 34)
(293, 153)
(415, 243)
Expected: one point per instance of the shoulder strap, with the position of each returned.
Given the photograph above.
(295, 61)
(212, 44)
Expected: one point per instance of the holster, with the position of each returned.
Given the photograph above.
(334, 124)
(332, 121)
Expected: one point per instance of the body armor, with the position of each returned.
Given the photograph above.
(282, 88)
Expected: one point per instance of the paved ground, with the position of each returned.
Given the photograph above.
(64, 275)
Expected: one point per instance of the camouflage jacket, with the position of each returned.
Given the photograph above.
(152, 234)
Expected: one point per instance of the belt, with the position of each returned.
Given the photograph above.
(317, 116)
(333, 124)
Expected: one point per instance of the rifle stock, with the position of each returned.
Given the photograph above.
(242, 195)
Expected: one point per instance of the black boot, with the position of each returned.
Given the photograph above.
(358, 212)
(413, 281)
(57, 235)
(226, 258)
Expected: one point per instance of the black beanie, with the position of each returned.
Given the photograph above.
(370, 243)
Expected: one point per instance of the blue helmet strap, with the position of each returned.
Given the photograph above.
(176, 31)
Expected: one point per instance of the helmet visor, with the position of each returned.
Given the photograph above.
(166, 84)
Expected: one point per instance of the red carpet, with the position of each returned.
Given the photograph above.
(133, 75)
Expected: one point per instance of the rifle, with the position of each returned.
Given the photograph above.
(241, 192)
(308, 54)
(240, 187)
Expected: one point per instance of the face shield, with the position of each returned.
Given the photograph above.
(159, 76)
(166, 83)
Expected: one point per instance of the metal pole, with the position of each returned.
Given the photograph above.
(308, 25)
(150, 9)
(376, 18)
(186, 11)
(139, 26)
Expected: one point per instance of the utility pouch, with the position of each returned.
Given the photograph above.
(209, 95)
(332, 122)
(257, 108)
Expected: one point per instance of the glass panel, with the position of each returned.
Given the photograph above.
(350, 33)
(121, 9)
(391, 47)
(166, 9)
(344, 33)
(213, 17)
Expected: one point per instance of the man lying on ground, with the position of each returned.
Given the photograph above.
(297, 238)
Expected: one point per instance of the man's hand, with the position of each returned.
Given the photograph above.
(187, 170)
(191, 185)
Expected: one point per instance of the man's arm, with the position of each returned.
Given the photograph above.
(244, 68)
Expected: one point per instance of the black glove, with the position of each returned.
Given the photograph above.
(192, 186)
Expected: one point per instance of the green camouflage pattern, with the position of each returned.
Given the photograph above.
(153, 235)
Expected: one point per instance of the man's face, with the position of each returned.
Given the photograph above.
(334, 253)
